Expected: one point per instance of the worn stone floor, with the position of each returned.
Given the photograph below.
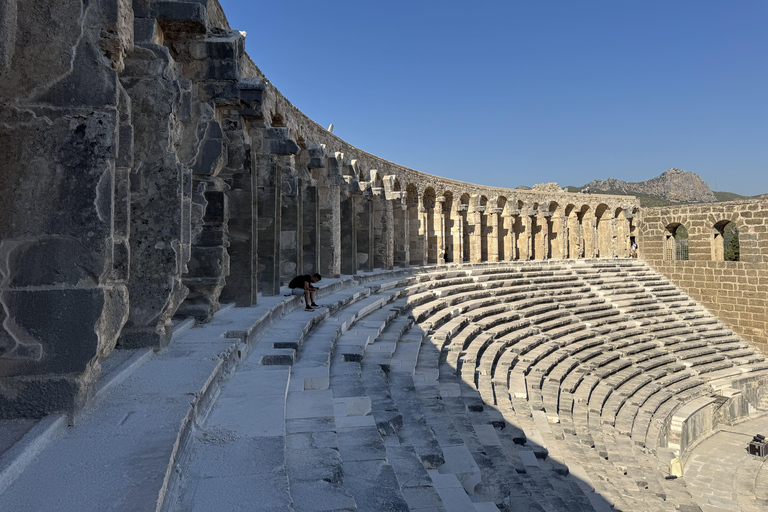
(722, 476)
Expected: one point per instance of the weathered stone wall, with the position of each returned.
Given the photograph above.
(65, 137)
(734, 291)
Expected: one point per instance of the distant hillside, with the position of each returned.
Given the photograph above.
(728, 196)
(674, 186)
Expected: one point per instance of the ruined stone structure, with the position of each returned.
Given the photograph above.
(152, 171)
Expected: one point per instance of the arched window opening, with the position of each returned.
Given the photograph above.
(676, 244)
(725, 241)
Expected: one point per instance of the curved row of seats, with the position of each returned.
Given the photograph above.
(546, 386)
(605, 352)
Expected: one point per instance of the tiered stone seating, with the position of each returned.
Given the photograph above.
(629, 355)
(535, 386)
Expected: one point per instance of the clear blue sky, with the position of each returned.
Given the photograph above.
(509, 93)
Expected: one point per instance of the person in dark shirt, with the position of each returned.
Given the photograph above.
(303, 285)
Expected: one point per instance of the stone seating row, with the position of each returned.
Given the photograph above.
(455, 456)
(321, 355)
(490, 388)
(683, 336)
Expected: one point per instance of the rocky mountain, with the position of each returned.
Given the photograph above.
(673, 185)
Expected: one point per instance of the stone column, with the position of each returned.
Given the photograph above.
(406, 233)
(475, 235)
(330, 227)
(349, 233)
(242, 283)
(454, 231)
(509, 239)
(588, 225)
(564, 237)
(269, 198)
(415, 239)
(383, 247)
(542, 239)
(517, 229)
(459, 243)
(309, 231)
(272, 162)
(209, 262)
(493, 233)
(207, 156)
(329, 180)
(526, 245)
(365, 234)
(291, 249)
(423, 231)
(439, 227)
(613, 240)
(389, 234)
(400, 242)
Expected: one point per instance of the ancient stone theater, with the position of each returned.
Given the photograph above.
(476, 349)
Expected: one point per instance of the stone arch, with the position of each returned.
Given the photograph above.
(603, 247)
(587, 237)
(415, 236)
(725, 241)
(676, 242)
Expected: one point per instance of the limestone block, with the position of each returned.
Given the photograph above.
(52, 339)
(54, 27)
(183, 17)
(280, 143)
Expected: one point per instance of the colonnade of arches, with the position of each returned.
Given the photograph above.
(347, 219)
(459, 227)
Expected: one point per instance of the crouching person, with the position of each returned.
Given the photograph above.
(303, 285)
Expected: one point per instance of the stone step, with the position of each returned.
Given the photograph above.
(279, 348)
(242, 428)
